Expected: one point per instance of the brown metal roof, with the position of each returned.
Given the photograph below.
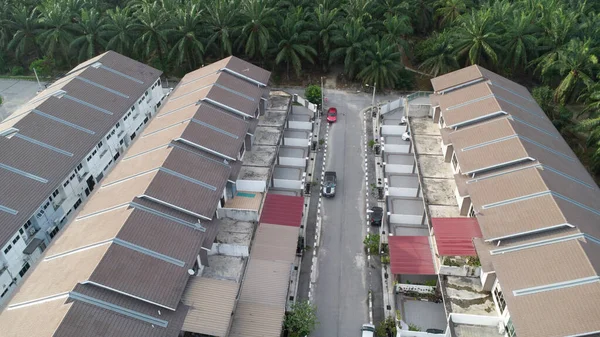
(48, 316)
(457, 77)
(52, 137)
(211, 304)
(248, 69)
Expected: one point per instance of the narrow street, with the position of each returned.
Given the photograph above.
(341, 289)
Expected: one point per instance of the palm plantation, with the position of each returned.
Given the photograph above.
(550, 43)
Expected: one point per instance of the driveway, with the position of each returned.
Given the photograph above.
(14, 94)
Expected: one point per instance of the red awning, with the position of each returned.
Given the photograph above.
(410, 255)
(283, 210)
(454, 236)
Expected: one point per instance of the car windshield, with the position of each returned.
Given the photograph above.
(332, 113)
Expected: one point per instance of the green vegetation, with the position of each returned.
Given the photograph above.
(413, 327)
(301, 320)
(371, 243)
(313, 94)
(550, 44)
(386, 328)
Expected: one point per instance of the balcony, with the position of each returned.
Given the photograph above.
(103, 153)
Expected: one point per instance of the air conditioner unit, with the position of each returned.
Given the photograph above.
(31, 231)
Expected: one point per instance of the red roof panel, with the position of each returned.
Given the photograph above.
(454, 236)
(410, 255)
(282, 210)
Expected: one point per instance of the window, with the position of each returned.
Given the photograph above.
(472, 211)
(55, 230)
(89, 158)
(140, 102)
(133, 107)
(77, 203)
(510, 329)
(24, 269)
(72, 176)
(117, 155)
(121, 142)
(94, 152)
(7, 249)
(132, 136)
(16, 239)
(118, 125)
(108, 137)
(21, 231)
(66, 183)
(158, 81)
(146, 120)
(27, 224)
(55, 193)
(113, 131)
(79, 167)
(500, 299)
(454, 161)
(100, 145)
(4, 292)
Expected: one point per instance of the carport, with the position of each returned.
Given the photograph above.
(288, 177)
(411, 255)
(403, 185)
(293, 156)
(399, 163)
(295, 137)
(454, 236)
(403, 210)
(395, 144)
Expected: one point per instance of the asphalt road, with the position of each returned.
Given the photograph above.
(341, 288)
(15, 93)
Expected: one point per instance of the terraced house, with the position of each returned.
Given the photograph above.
(125, 265)
(56, 148)
(536, 205)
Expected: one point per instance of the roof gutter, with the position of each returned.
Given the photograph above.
(183, 210)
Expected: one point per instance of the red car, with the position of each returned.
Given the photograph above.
(332, 115)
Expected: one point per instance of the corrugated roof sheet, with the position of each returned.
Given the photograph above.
(282, 210)
(455, 78)
(56, 127)
(454, 236)
(410, 255)
(210, 303)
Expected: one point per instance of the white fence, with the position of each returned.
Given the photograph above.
(292, 161)
(421, 289)
(296, 141)
(300, 125)
(251, 185)
(475, 319)
(393, 130)
(419, 110)
(229, 250)
(391, 106)
(407, 219)
(403, 192)
(305, 103)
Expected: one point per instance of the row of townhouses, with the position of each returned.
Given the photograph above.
(160, 247)
(490, 202)
(56, 148)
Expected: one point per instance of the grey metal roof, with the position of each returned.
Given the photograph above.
(62, 130)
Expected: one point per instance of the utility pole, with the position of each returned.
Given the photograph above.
(38, 80)
(322, 97)
(373, 100)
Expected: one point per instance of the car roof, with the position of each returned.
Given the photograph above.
(332, 109)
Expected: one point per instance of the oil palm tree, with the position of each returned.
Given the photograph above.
(358, 9)
(476, 39)
(383, 65)
(397, 28)
(448, 11)
(24, 24)
(293, 46)
(421, 12)
(56, 36)
(187, 48)
(520, 40)
(352, 41)
(118, 30)
(326, 26)
(222, 23)
(89, 40)
(153, 27)
(576, 63)
(259, 18)
(441, 58)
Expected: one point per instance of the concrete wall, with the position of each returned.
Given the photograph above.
(251, 185)
(291, 161)
(394, 168)
(403, 191)
(475, 319)
(459, 271)
(237, 214)
(300, 125)
(229, 250)
(397, 148)
(406, 219)
(419, 110)
(406, 333)
(295, 141)
(286, 183)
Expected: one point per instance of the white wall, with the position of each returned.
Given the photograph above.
(237, 214)
(475, 319)
(402, 192)
(388, 130)
(286, 183)
(251, 185)
(300, 125)
(395, 168)
(406, 219)
(291, 161)
(397, 148)
(296, 141)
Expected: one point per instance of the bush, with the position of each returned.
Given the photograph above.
(17, 71)
(313, 94)
(412, 327)
(44, 67)
(406, 80)
(371, 243)
(386, 328)
(0, 100)
(301, 320)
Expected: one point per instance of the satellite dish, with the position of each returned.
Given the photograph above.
(191, 272)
